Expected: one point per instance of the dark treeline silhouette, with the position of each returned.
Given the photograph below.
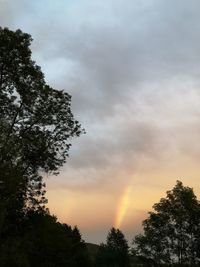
(41, 241)
(36, 126)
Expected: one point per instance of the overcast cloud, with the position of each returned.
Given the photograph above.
(133, 70)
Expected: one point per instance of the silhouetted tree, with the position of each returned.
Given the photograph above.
(36, 120)
(115, 253)
(172, 231)
(36, 125)
(36, 128)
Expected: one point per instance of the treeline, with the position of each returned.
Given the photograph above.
(39, 240)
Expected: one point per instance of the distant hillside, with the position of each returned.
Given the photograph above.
(92, 249)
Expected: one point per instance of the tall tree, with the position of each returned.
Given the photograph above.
(115, 253)
(36, 128)
(36, 122)
(172, 230)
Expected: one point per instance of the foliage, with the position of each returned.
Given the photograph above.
(43, 242)
(92, 250)
(115, 252)
(36, 128)
(172, 231)
(36, 122)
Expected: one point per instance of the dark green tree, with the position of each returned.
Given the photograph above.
(115, 253)
(172, 230)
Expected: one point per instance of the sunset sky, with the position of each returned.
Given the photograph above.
(133, 70)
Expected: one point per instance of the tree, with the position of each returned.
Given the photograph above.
(172, 230)
(36, 125)
(115, 252)
(36, 128)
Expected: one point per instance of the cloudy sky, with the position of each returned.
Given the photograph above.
(133, 70)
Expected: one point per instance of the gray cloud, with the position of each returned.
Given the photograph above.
(134, 87)
(132, 68)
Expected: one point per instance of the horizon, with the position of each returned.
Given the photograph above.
(132, 69)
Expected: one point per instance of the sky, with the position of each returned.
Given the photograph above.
(133, 70)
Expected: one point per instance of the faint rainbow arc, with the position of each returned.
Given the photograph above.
(122, 207)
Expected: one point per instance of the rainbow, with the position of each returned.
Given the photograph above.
(122, 207)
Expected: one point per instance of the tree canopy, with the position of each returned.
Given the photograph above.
(36, 128)
(172, 230)
(36, 121)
